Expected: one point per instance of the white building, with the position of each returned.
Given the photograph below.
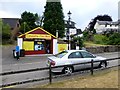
(106, 26)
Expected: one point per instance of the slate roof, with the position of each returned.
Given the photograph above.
(11, 21)
(108, 22)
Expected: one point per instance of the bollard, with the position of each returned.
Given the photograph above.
(91, 67)
(50, 74)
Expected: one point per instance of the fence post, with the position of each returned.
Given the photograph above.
(91, 67)
(50, 74)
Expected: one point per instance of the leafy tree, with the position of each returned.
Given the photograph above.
(100, 18)
(5, 31)
(79, 41)
(24, 27)
(85, 35)
(29, 20)
(94, 31)
(54, 18)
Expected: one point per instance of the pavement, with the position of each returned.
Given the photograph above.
(30, 61)
(35, 61)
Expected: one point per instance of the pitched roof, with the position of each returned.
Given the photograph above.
(107, 22)
(11, 21)
(37, 29)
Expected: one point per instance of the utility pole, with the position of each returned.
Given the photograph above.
(68, 28)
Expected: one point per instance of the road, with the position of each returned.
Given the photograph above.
(11, 64)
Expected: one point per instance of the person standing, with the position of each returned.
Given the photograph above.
(17, 52)
(48, 49)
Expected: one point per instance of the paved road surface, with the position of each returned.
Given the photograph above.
(11, 64)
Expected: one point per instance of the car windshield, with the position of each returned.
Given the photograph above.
(61, 54)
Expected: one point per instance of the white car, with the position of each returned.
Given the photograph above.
(73, 57)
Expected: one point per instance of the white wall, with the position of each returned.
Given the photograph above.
(101, 28)
(55, 46)
(20, 42)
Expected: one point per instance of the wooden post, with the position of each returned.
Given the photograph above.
(50, 74)
(92, 67)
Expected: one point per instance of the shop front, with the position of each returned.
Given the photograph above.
(38, 41)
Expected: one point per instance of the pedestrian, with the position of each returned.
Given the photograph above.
(17, 52)
(48, 49)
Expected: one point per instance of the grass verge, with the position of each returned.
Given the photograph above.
(89, 44)
(102, 79)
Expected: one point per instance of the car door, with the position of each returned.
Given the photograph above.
(75, 58)
(87, 57)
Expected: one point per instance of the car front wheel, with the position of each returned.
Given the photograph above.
(103, 65)
(68, 70)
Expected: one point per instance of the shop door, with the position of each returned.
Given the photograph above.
(48, 46)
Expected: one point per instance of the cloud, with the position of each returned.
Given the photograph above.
(82, 10)
(16, 8)
(4, 14)
(85, 10)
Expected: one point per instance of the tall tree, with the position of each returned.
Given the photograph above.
(28, 20)
(54, 18)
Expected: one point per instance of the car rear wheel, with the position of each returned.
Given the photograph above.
(68, 70)
(103, 65)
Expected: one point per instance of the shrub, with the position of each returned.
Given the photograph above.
(114, 39)
(79, 41)
(100, 39)
(85, 35)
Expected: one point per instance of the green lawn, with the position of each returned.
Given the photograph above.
(88, 44)
(103, 79)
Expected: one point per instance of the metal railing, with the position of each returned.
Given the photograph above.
(50, 72)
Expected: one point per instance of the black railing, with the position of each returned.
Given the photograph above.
(50, 72)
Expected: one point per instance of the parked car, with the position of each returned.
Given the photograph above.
(73, 57)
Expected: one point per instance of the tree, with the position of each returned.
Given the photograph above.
(79, 41)
(85, 35)
(5, 31)
(24, 27)
(54, 18)
(100, 18)
(28, 21)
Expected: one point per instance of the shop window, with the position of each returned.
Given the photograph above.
(38, 45)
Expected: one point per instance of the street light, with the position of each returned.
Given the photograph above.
(68, 27)
(69, 14)
(24, 26)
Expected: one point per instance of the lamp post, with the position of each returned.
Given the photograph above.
(68, 27)
(24, 26)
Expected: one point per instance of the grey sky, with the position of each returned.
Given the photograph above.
(82, 10)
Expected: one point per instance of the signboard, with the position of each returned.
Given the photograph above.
(28, 45)
(41, 36)
(62, 47)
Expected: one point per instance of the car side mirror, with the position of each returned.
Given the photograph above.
(94, 56)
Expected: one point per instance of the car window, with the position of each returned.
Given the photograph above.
(61, 54)
(75, 55)
(87, 55)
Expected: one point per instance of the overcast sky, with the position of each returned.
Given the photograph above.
(82, 10)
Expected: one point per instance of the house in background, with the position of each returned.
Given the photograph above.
(103, 27)
(14, 26)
